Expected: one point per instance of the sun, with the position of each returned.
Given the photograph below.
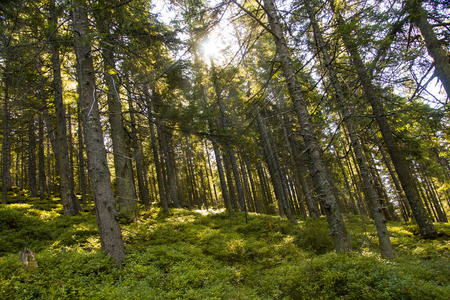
(211, 47)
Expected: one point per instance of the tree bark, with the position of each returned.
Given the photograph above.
(401, 196)
(107, 217)
(329, 202)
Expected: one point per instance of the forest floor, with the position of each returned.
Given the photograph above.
(189, 254)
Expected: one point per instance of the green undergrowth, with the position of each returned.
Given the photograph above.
(213, 255)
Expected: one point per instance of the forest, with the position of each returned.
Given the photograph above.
(225, 149)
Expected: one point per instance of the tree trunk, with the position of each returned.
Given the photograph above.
(68, 197)
(191, 171)
(81, 162)
(269, 207)
(107, 217)
(311, 204)
(155, 150)
(5, 146)
(208, 179)
(434, 46)
(41, 156)
(423, 221)
(219, 164)
(230, 155)
(368, 185)
(123, 167)
(401, 196)
(170, 165)
(223, 183)
(329, 202)
(32, 158)
(274, 169)
(252, 184)
(144, 194)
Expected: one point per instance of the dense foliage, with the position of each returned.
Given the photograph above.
(186, 254)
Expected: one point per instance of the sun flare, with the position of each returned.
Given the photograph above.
(211, 47)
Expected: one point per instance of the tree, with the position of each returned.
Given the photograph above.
(372, 94)
(317, 167)
(126, 194)
(70, 202)
(107, 217)
(368, 185)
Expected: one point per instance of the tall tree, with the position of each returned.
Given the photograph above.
(5, 146)
(368, 185)
(372, 94)
(70, 201)
(327, 198)
(126, 195)
(107, 216)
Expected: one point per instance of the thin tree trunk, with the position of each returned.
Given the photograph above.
(212, 175)
(274, 170)
(81, 161)
(223, 183)
(252, 184)
(5, 146)
(296, 178)
(32, 158)
(219, 164)
(41, 156)
(423, 221)
(292, 143)
(170, 165)
(192, 173)
(230, 155)
(50, 159)
(107, 216)
(329, 202)
(155, 150)
(123, 166)
(68, 197)
(438, 201)
(401, 196)
(353, 206)
(208, 180)
(138, 157)
(442, 218)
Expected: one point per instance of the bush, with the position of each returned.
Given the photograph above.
(314, 236)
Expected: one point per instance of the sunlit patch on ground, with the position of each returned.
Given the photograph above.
(205, 212)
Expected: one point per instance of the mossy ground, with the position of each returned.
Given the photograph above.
(199, 255)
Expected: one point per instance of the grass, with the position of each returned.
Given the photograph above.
(197, 255)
